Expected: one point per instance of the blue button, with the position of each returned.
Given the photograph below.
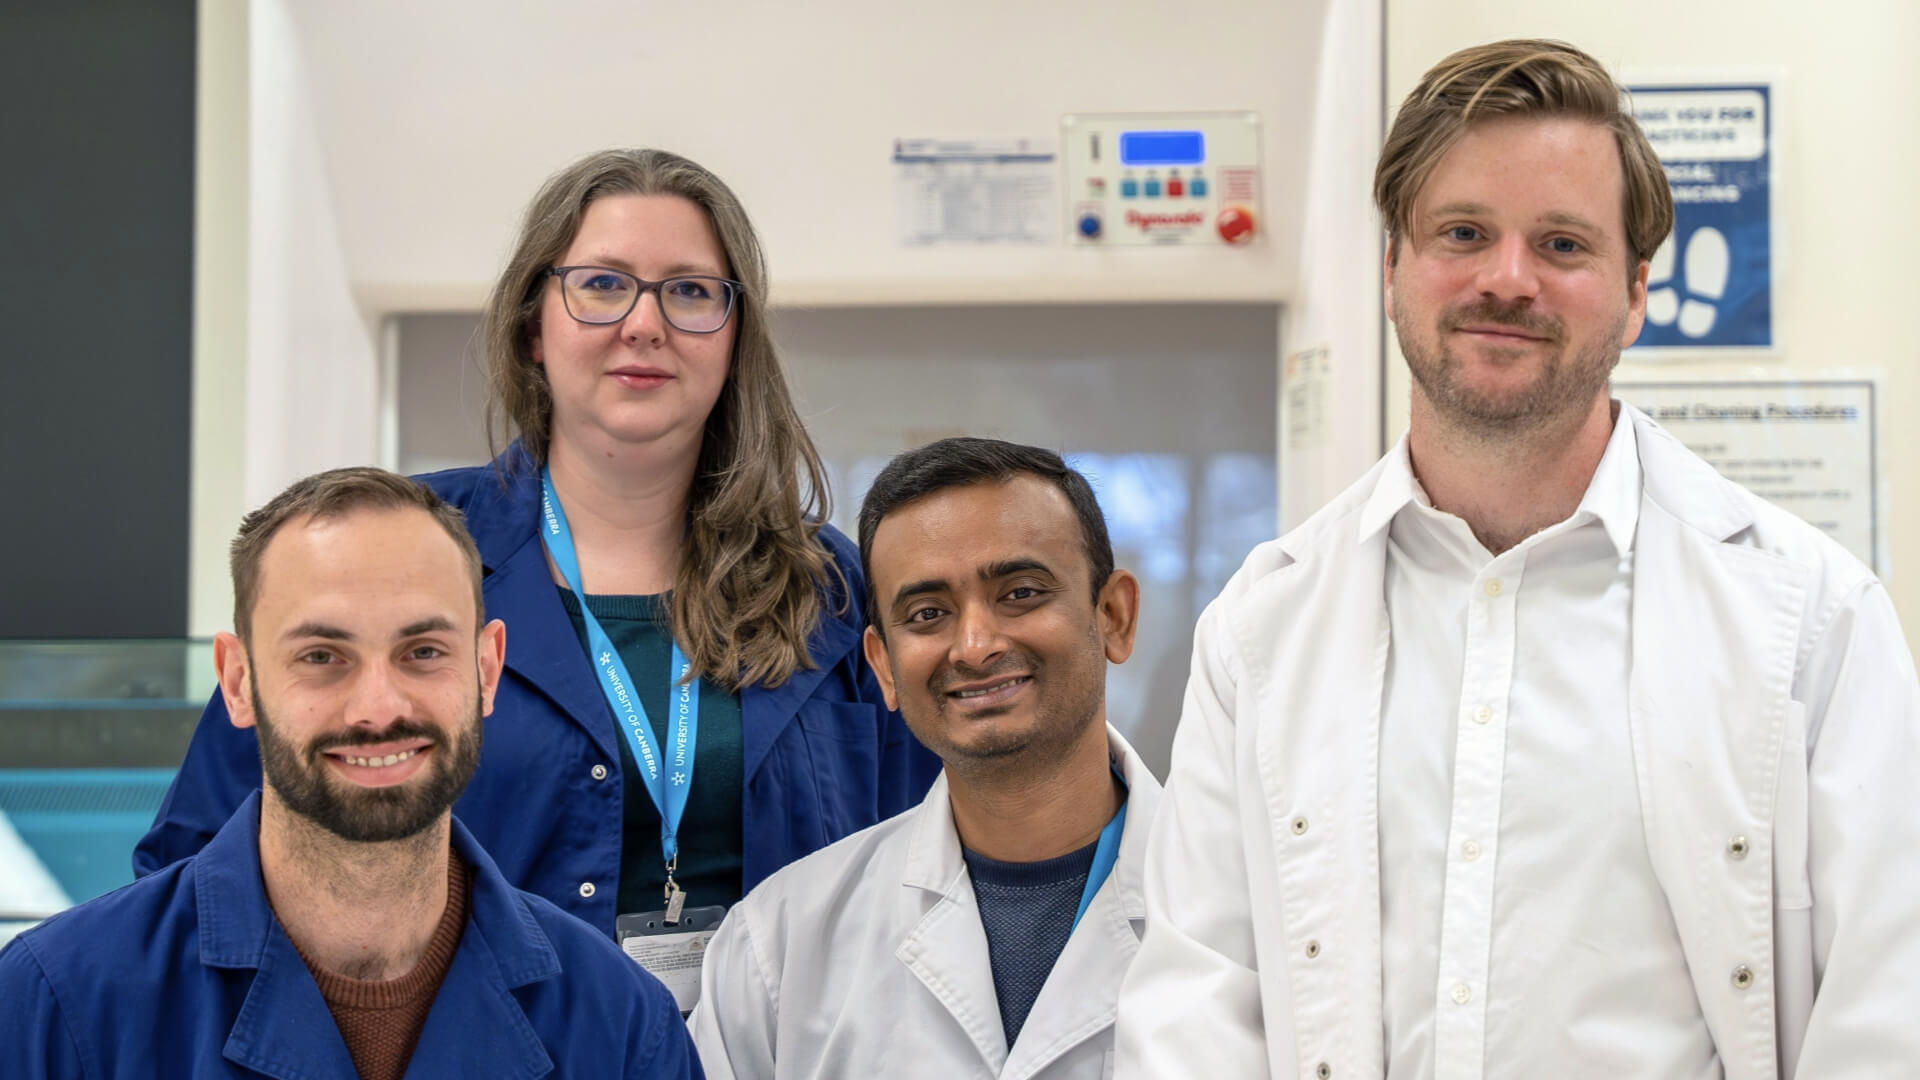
(1197, 187)
(1129, 188)
(1153, 188)
(1090, 226)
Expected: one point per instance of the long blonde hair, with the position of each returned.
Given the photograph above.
(748, 590)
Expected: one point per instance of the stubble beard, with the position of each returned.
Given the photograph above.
(1561, 395)
(299, 778)
(1060, 721)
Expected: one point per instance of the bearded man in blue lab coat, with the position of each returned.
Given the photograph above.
(342, 922)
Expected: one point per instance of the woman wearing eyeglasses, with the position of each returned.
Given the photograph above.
(658, 512)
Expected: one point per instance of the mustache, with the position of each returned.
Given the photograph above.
(399, 729)
(1518, 316)
(953, 675)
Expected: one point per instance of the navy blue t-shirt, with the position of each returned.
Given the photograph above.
(1027, 910)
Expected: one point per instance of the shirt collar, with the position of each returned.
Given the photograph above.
(1612, 498)
(937, 863)
(1613, 495)
(237, 924)
(1395, 488)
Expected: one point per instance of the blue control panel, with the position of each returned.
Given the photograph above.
(1139, 148)
(1161, 178)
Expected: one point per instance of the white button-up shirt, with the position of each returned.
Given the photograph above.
(1523, 931)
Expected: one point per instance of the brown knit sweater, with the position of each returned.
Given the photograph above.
(381, 1021)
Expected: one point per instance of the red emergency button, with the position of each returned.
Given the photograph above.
(1235, 224)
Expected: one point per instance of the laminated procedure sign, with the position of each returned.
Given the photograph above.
(1711, 283)
(1807, 446)
(974, 191)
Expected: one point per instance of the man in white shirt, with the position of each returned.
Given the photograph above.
(1543, 751)
(985, 933)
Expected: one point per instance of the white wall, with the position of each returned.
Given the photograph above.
(312, 373)
(439, 118)
(1338, 305)
(1850, 148)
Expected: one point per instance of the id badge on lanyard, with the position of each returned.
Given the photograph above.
(667, 772)
(671, 952)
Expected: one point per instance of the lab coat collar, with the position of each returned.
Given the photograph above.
(947, 949)
(1682, 484)
(1612, 496)
(543, 646)
(1128, 880)
(1081, 996)
(284, 1028)
(935, 862)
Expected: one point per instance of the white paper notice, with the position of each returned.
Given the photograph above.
(674, 959)
(1304, 389)
(975, 191)
(1807, 446)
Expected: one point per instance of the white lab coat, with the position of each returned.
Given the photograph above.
(1775, 720)
(868, 959)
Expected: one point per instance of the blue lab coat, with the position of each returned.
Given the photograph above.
(823, 756)
(187, 973)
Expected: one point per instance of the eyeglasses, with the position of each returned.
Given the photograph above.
(599, 295)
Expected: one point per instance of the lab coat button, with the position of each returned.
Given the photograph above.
(599, 772)
(1737, 848)
(1313, 950)
(1323, 1071)
(1742, 977)
(586, 888)
(1470, 851)
(1462, 993)
(1299, 826)
(1494, 586)
(1483, 714)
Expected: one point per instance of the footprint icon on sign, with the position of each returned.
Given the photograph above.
(1705, 282)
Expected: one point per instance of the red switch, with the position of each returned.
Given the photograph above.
(1235, 224)
(1175, 187)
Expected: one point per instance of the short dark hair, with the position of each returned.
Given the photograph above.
(961, 461)
(332, 494)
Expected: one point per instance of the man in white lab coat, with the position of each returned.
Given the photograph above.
(983, 934)
(1543, 751)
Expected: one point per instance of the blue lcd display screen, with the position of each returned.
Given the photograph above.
(1162, 148)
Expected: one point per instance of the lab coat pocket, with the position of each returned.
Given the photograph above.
(1792, 888)
(843, 746)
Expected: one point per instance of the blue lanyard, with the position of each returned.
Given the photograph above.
(1105, 854)
(669, 792)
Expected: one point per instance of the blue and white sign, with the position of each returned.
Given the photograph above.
(1711, 283)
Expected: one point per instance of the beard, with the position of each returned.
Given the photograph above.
(1568, 382)
(300, 778)
(1066, 702)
